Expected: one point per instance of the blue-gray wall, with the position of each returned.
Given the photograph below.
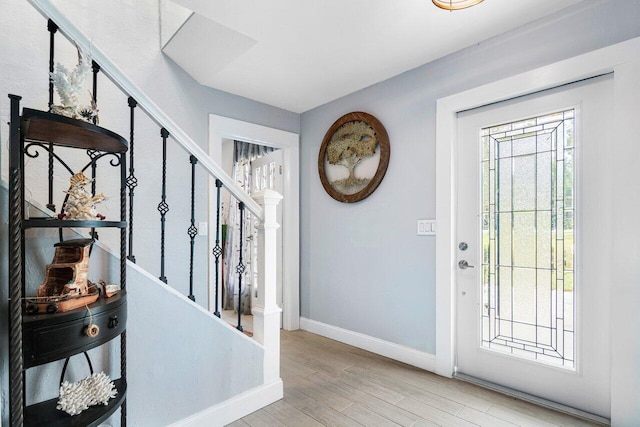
(363, 267)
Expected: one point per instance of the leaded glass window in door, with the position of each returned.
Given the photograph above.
(528, 213)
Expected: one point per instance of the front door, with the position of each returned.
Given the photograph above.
(532, 310)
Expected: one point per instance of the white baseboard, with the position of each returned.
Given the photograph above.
(234, 408)
(410, 356)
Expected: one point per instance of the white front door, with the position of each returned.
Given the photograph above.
(266, 172)
(532, 310)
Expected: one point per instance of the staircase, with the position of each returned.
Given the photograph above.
(185, 365)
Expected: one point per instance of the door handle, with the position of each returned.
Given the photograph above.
(463, 265)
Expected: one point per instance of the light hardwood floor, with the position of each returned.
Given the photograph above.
(327, 383)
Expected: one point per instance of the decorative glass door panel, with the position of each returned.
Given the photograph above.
(533, 315)
(528, 238)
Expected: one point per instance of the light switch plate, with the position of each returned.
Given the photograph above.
(426, 227)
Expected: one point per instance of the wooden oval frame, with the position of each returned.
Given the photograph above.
(385, 151)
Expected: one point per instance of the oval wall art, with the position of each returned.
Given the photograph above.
(354, 157)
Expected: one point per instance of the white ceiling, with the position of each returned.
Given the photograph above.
(299, 54)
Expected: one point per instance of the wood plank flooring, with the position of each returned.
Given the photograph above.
(327, 383)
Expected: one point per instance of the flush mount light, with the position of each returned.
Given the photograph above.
(455, 4)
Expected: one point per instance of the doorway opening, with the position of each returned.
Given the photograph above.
(254, 168)
(224, 130)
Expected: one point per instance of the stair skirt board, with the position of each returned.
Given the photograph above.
(410, 356)
(235, 408)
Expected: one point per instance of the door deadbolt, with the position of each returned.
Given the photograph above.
(463, 246)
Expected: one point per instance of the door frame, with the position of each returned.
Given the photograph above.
(621, 59)
(224, 128)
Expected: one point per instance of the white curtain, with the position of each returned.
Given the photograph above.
(244, 153)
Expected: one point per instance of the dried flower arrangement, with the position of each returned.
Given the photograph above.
(80, 205)
(69, 84)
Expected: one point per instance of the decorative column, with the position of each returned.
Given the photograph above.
(266, 313)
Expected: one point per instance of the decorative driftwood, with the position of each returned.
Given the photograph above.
(65, 285)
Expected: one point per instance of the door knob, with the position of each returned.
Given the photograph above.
(463, 265)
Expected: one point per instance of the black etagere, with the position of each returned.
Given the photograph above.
(36, 339)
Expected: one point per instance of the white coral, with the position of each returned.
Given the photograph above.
(96, 389)
(69, 84)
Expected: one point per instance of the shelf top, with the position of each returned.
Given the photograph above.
(67, 132)
(45, 413)
(102, 304)
(51, 222)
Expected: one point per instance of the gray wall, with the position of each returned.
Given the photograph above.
(363, 267)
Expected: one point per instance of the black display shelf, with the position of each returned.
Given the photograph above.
(67, 132)
(52, 222)
(37, 339)
(45, 414)
(51, 337)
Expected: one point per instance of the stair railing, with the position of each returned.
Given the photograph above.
(261, 205)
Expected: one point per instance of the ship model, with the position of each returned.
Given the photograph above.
(65, 285)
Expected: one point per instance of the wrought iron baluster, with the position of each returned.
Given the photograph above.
(217, 250)
(163, 207)
(132, 181)
(93, 155)
(53, 28)
(240, 269)
(96, 69)
(192, 231)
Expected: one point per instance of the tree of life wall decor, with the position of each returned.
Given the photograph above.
(353, 157)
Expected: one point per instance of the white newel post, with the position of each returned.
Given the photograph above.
(266, 313)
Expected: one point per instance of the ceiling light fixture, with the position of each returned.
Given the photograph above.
(455, 4)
